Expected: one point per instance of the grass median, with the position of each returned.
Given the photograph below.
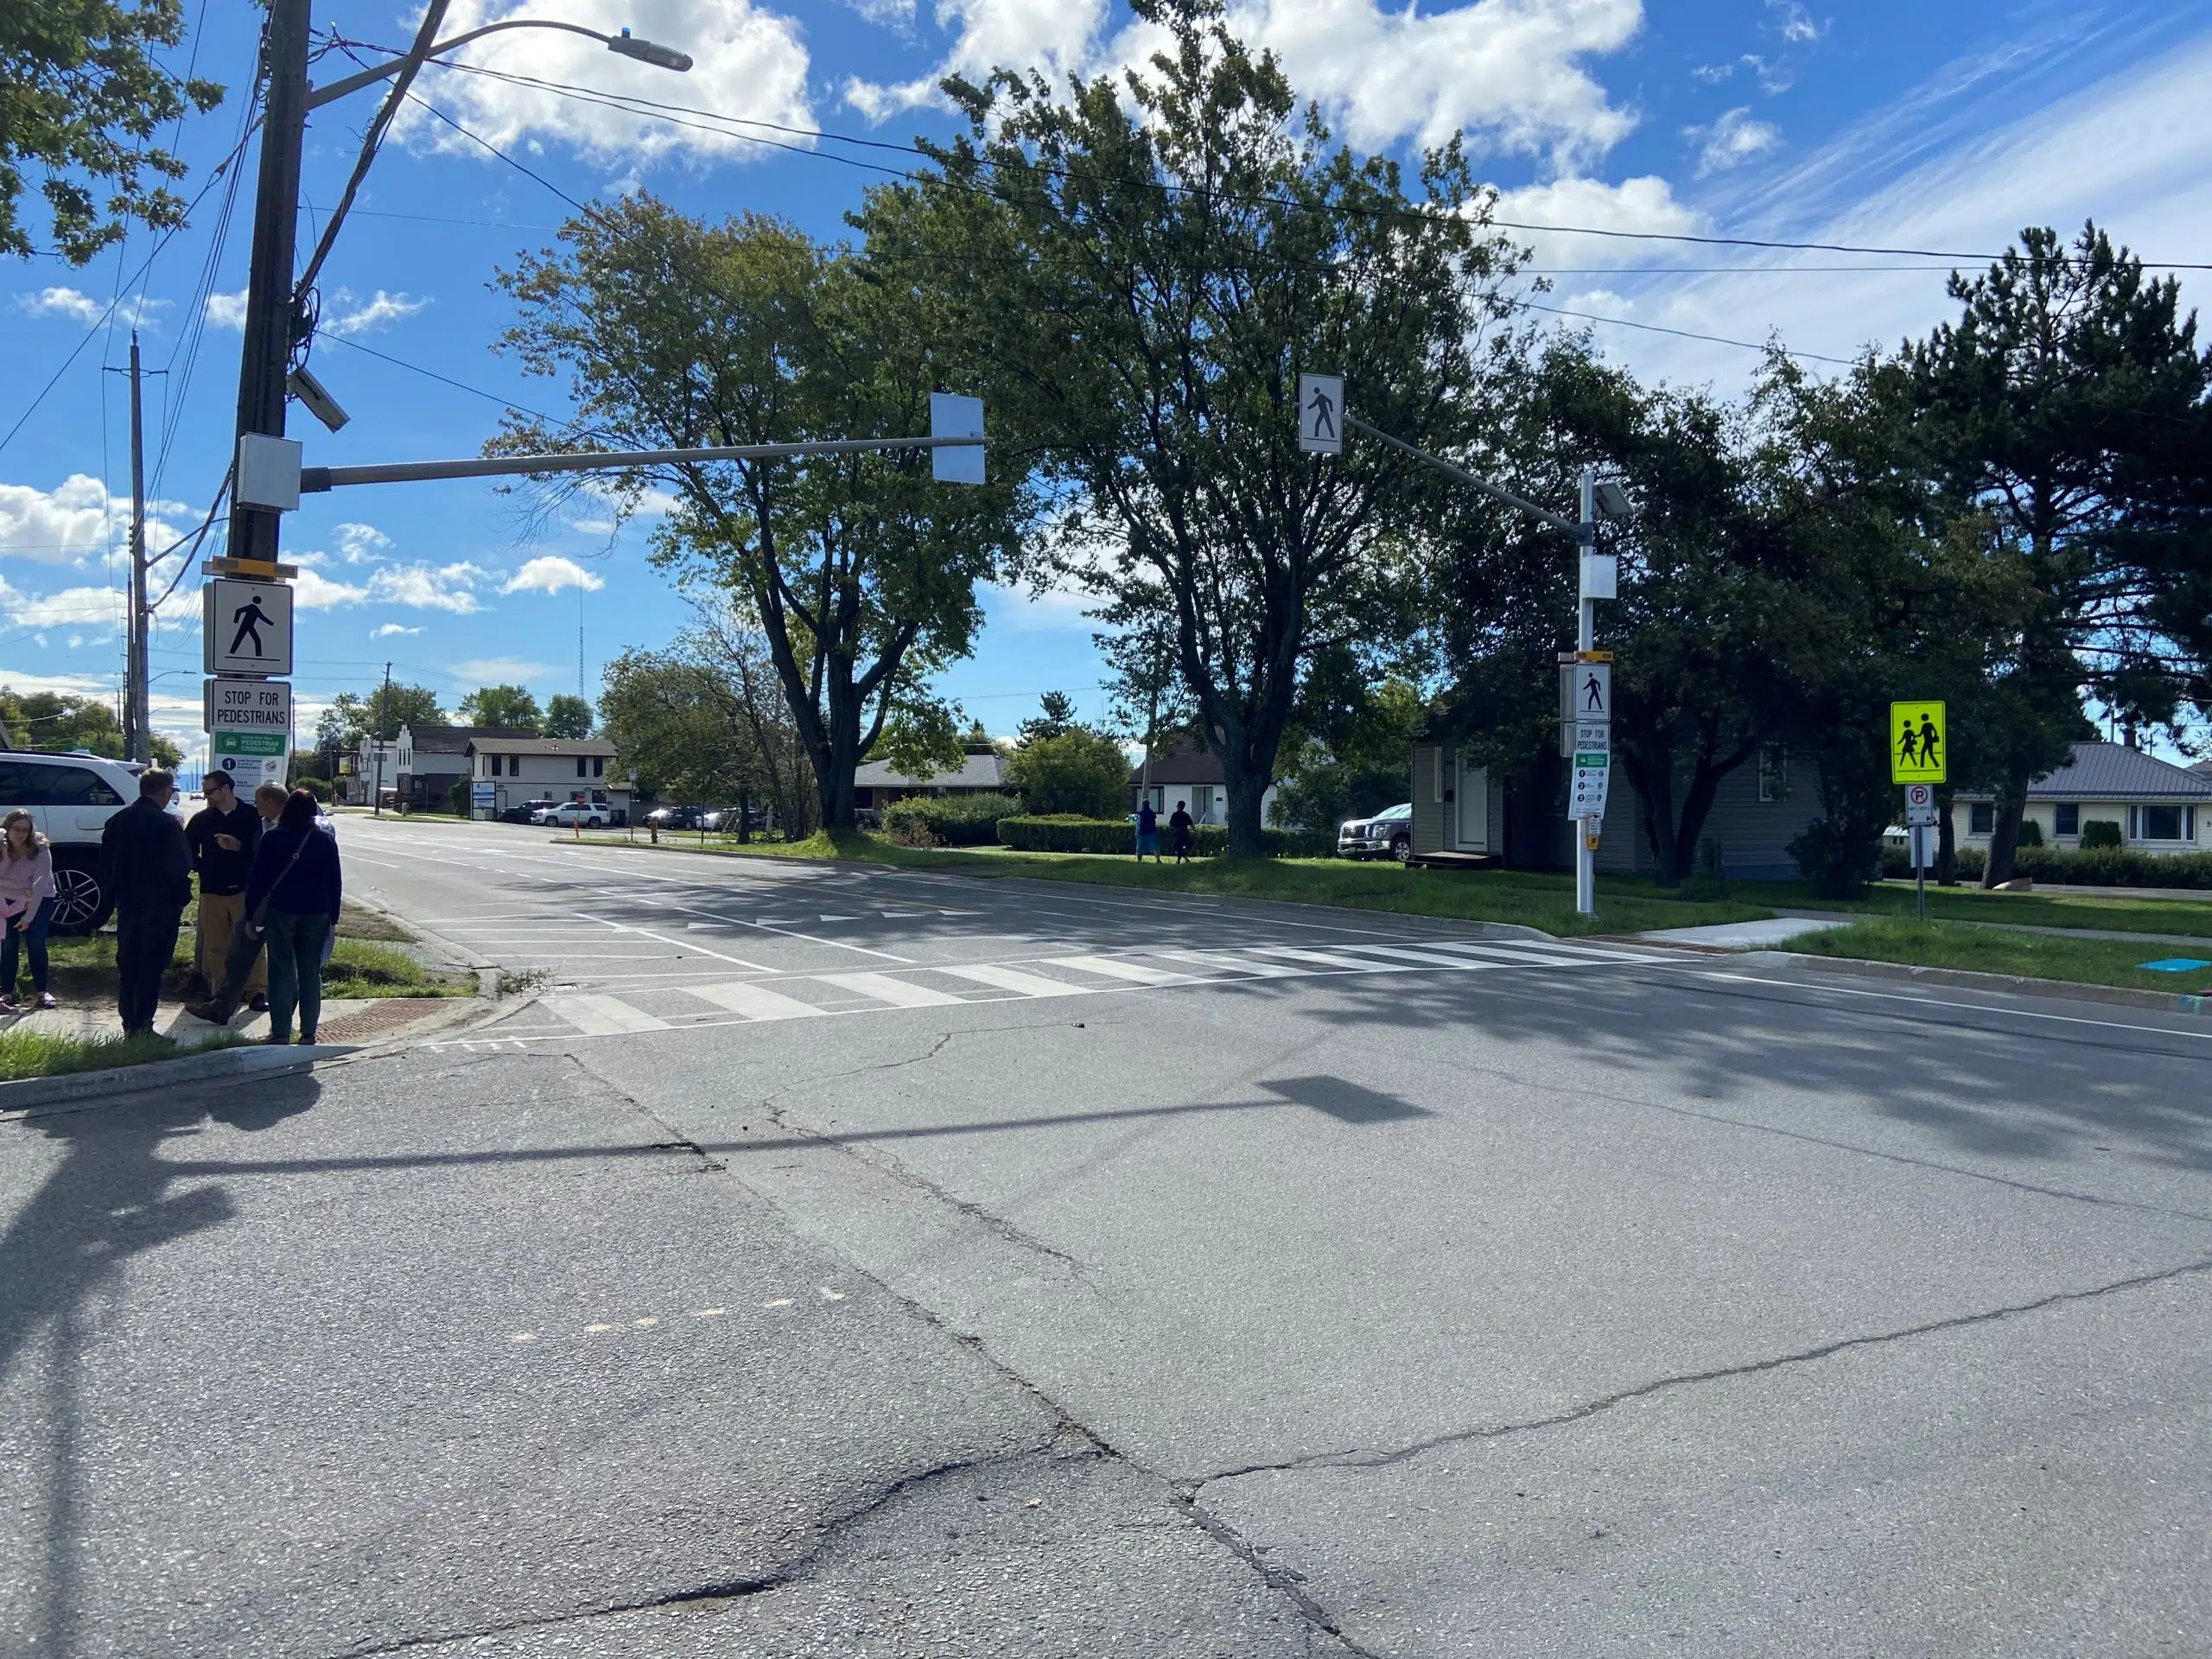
(53, 1054)
(1529, 898)
(1998, 950)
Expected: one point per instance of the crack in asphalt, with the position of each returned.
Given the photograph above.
(1357, 1457)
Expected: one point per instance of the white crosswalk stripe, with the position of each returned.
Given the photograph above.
(753, 1001)
(1120, 968)
(1237, 964)
(1013, 979)
(898, 993)
(603, 1016)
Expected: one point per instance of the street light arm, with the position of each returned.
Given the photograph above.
(1496, 492)
(623, 44)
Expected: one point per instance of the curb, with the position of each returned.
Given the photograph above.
(24, 1097)
(1966, 979)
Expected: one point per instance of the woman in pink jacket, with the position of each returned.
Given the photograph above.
(26, 905)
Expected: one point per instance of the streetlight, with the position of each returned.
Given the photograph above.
(623, 45)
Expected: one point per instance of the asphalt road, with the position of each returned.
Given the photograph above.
(838, 1262)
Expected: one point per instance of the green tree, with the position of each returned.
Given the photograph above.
(503, 705)
(81, 98)
(351, 716)
(2054, 411)
(860, 572)
(1351, 750)
(1147, 263)
(1056, 717)
(1079, 771)
(48, 720)
(567, 716)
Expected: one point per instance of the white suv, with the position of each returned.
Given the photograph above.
(589, 814)
(70, 797)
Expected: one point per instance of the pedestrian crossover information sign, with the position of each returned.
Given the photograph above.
(1918, 751)
(246, 627)
(251, 758)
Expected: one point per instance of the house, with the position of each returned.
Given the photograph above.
(508, 770)
(982, 771)
(1463, 813)
(2159, 807)
(1188, 771)
(422, 764)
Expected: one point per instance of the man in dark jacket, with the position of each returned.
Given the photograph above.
(223, 836)
(146, 864)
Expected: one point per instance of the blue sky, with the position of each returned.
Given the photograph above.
(1940, 126)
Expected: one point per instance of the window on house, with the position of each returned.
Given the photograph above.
(1774, 773)
(1981, 818)
(2067, 819)
(1202, 802)
(495, 761)
(2158, 824)
(599, 766)
(580, 767)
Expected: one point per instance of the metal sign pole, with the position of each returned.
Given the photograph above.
(1586, 639)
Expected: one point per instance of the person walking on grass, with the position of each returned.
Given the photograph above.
(146, 864)
(1147, 833)
(26, 905)
(292, 901)
(1179, 827)
(223, 836)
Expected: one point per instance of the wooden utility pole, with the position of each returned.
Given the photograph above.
(137, 725)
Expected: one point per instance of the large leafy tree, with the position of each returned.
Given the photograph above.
(2065, 409)
(1148, 263)
(351, 716)
(567, 715)
(82, 97)
(503, 705)
(859, 571)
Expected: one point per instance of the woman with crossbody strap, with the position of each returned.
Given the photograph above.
(292, 899)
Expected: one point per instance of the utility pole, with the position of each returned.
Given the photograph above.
(137, 724)
(269, 312)
(383, 712)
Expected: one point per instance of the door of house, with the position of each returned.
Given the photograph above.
(1472, 789)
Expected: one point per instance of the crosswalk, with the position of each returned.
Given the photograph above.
(630, 1010)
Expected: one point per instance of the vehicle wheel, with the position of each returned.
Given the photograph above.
(591, 824)
(80, 903)
(1402, 848)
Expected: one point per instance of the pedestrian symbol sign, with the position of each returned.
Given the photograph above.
(1321, 414)
(1919, 750)
(246, 627)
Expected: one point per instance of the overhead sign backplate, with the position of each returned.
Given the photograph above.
(1919, 750)
(247, 626)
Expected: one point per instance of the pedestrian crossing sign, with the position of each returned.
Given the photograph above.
(1919, 746)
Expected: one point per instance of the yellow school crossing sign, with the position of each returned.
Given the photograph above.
(1918, 745)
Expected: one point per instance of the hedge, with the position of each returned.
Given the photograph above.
(2100, 867)
(948, 820)
(1065, 833)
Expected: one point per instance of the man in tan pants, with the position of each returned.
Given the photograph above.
(223, 836)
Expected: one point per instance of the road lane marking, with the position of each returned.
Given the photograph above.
(753, 1001)
(1239, 964)
(1013, 979)
(898, 993)
(1964, 1008)
(1426, 958)
(1326, 958)
(681, 945)
(1115, 968)
(603, 1016)
(791, 933)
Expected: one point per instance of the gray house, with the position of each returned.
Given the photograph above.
(1463, 814)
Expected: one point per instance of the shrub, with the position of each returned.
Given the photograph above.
(947, 820)
(458, 797)
(1066, 832)
(2109, 866)
(2101, 832)
(1837, 865)
(1079, 771)
(2030, 834)
(318, 787)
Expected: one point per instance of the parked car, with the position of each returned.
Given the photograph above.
(676, 817)
(1388, 833)
(528, 811)
(70, 798)
(590, 814)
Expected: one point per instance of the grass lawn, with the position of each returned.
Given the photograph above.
(44, 1054)
(1532, 899)
(1993, 950)
(2182, 918)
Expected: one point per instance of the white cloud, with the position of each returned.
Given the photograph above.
(226, 310)
(1058, 610)
(1733, 140)
(361, 544)
(1645, 204)
(499, 670)
(80, 307)
(748, 61)
(70, 607)
(390, 629)
(78, 522)
(550, 574)
(427, 587)
(1794, 22)
(365, 316)
(1508, 71)
(314, 591)
(61, 685)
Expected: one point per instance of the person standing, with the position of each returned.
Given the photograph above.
(223, 836)
(26, 905)
(292, 900)
(1179, 827)
(243, 961)
(1147, 833)
(146, 864)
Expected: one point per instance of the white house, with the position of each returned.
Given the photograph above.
(506, 771)
(1186, 771)
(2159, 807)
